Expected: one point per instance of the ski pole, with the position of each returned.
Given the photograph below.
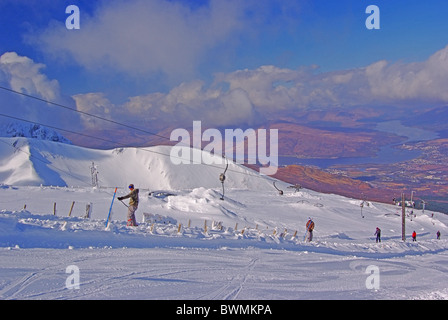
(124, 203)
(306, 233)
(110, 209)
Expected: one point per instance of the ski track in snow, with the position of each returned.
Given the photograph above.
(218, 275)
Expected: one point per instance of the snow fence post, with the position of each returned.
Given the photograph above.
(283, 235)
(71, 209)
(89, 208)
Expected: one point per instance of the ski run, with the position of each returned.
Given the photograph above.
(190, 244)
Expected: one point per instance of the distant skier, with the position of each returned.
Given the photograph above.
(133, 205)
(414, 236)
(438, 235)
(309, 229)
(378, 234)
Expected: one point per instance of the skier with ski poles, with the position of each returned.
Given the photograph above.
(133, 205)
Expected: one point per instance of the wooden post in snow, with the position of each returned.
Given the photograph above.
(71, 209)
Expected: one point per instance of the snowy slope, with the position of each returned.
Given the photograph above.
(35, 162)
(256, 255)
(196, 246)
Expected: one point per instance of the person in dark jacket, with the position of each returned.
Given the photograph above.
(378, 234)
(133, 205)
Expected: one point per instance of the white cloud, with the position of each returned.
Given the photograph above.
(240, 98)
(260, 85)
(94, 104)
(247, 97)
(169, 40)
(179, 107)
(144, 36)
(23, 75)
(271, 89)
(413, 82)
(140, 38)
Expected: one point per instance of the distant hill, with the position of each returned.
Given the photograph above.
(25, 161)
(34, 131)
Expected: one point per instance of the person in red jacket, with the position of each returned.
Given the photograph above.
(309, 230)
(414, 236)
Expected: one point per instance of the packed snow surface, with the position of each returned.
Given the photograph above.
(190, 244)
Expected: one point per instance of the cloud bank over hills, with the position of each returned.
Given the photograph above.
(244, 97)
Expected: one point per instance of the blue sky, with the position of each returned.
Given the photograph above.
(126, 52)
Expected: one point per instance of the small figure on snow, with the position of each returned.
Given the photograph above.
(309, 229)
(133, 205)
(414, 236)
(438, 235)
(378, 234)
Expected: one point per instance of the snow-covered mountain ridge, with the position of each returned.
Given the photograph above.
(34, 131)
(32, 162)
